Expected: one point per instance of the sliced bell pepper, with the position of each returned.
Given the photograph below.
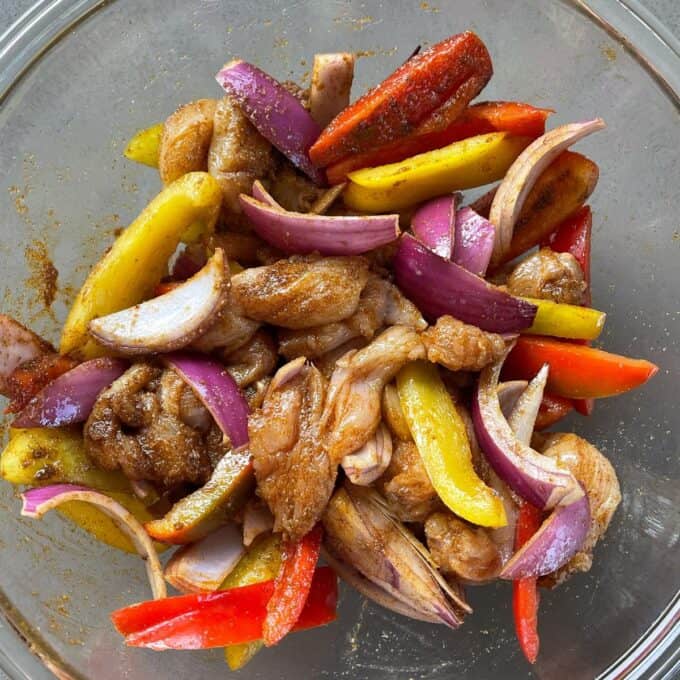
(552, 410)
(226, 617)
(466, 164)
(131, 269)
(445, 77)
(566, 321)
(209, 507)
(515, 118)
(574, 236)
(440, 436)
(525, 596)
(576, 371)
(145, 146)
(291, 586)
(28, 378)
(261, 563)
(558, 192)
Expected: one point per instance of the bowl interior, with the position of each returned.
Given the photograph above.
(67, 189)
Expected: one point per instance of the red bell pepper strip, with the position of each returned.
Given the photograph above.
(516, 118)
(525, 597)
(226, 617)
(552, 410)
(443, 78)
(576, 371)
(291, 586)
(574, 236)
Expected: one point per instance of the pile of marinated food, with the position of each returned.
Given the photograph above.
(311, 347)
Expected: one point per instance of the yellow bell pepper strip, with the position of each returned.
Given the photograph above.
(41, 455)
(469, 163)
(135, 264)
(566, 321)
(145, 146)
(262, 562)
(209, 507)
(439, 434)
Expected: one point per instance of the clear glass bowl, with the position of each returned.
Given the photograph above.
(78, 77)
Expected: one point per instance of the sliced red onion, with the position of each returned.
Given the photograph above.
(257, 519)
(473, 242)
(524, 172)
(17, 345)
(286, 373)
(202, 566)
(329, 91)
(69, 398)
(262, 195)
(37, 502)
(508, 394)
(524, 413)
(172, 320)
(438, 286)
(276, 113)
(187, 264)
(303, 233)
(217, 390)
(369, 462)
(536, 478)
(433, 223)
(557, 540)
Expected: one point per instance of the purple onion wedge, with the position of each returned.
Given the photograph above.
(276, 113)
(69, 398)
(536, 478)
(438, 286)
(557, 540)
(217, 390)
(302, 233)
(433, 223)
(473, 242)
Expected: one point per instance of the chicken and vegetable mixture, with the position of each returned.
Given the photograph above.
(310, 346)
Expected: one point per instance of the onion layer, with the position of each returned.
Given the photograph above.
(434, 222)
(329, 91)
(37, 502)
(473, 243)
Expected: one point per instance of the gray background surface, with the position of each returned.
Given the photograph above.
(666, 10)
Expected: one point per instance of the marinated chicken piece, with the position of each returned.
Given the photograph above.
(393, 415)
(293, 190)
(185, 141)
(301, 292)
(352, 410)
(550, 276)
(598, 478)
(461, 550)
(459, 346)
(238, 155)
(381, 304)
(150, 425)
(326, 362)
(231, 331)
(252, 361)
(255, 392)
(246, 249)
(295, 476)
(406, 486)
(17, 345)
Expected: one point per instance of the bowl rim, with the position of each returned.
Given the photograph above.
(656, 654)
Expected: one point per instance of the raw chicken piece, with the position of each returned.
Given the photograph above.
(293, 190)
(301, 292)
(295, 476)
(238, 156)
(231, 330)
(186, 138)
(254, 360)
(381, 304)
(460, 549)
(352, 410)
(459, 346)
(599, 479)
(549, 275)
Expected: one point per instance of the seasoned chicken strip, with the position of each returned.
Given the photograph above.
(230, 331)
(186, 138)
(255, 360)
(599, 479)
(352, 410)
(238, 155)
(294, 474)
(549, 275)
(301, 292)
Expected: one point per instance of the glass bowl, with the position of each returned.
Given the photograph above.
(78, 77)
